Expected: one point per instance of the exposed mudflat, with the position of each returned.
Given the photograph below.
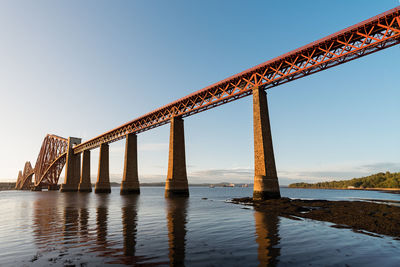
(360, 216)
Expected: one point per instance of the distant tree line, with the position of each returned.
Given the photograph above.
(379, 180)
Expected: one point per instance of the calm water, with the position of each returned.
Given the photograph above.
(58, 229)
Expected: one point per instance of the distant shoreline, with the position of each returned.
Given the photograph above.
(11, 186)
(382, 181)
(385, 190)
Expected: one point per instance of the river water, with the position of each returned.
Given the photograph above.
(67, 229)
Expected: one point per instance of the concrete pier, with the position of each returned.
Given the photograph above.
(103, 175)
(177, 183)
(84, 184)
(72, 167)
(130, 180)
(266, 184)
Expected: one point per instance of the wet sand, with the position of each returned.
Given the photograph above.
(360, 216)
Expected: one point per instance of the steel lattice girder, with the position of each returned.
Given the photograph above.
(51, 160)
(24, 180)
(364, 38)
(49, 164)
(52, 173)
(19, 180)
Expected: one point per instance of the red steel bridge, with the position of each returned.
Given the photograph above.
(48, 167)
(366, 37)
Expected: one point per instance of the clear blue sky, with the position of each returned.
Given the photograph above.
(79, 68)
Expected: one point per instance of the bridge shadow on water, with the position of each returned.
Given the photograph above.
(81, 228)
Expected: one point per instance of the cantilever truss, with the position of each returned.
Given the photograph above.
(19, 180)
(24, 180)
(49, 164)
(364, 38)
(51, 160)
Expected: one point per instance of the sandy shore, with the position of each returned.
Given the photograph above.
(361, 216)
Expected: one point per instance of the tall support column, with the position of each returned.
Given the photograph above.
(103, 175)
(177, 183)
(130, 180)
(72, 167)
(266, 184)
(85, 185)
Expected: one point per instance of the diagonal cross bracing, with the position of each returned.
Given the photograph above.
(364, 38)
(50, 161)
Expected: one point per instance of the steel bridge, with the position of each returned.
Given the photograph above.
(366, 37)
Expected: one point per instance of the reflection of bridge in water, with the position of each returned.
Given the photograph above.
(73, 222)
(364, 38)
(267, 237)
(176, 219)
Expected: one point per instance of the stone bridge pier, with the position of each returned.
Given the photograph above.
(72, 167)
(85, 184)
(103, 174)
(176, 183)
(266, 184)
(130, 180)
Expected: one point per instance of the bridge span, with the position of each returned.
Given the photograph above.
(366, 37)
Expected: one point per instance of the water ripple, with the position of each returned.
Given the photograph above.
(57, 229)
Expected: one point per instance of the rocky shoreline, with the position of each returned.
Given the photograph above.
(361, 216)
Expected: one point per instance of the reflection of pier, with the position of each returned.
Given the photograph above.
(76, 219)
(129, 225)
(83, 216)
(176, 219)
(53, 226)
(267, 237)
(71, 219)
(103, 245)
(47, 221)
(110, 249)
(66, 221)
(101, 221)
